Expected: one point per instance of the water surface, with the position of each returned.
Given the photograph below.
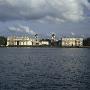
(44, 69)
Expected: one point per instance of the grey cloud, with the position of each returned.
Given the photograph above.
(21, 29)
(58, 10)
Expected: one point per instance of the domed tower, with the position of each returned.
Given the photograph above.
(53, 40)
(36, 36)
(36, 40)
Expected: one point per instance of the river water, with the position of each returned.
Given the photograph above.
(44, 69)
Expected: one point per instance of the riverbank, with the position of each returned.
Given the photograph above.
(44, 46)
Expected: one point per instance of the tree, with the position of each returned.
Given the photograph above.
(86, 42)
(3, 41)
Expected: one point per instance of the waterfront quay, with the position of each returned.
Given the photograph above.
(27, 41)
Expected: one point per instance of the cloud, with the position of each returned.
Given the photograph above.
(72, 33)
(21, 29)
(57, 10)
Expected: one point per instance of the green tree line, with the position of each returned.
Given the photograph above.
(3, 41)
(86, 42)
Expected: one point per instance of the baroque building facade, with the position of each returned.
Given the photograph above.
(72, 42)
(25, 41)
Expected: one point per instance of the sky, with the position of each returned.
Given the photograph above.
(62, 17)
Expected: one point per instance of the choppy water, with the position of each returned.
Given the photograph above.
(44, 69)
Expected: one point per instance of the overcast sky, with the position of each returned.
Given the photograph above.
(45, 17)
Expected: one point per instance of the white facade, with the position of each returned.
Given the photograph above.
(19, 41)
(44, 42)
(72, 41)
(25, 41)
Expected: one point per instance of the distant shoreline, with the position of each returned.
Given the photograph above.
(43, 47)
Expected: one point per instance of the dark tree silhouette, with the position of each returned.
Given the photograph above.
(3, 41)
(86, 42)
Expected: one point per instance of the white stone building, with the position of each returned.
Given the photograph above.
(72, 42)
(12, 41)
(25, 41)
(44, 42)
